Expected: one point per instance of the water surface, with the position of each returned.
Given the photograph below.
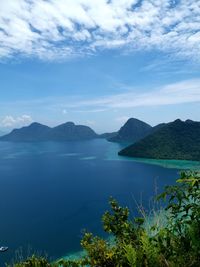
(50, 192)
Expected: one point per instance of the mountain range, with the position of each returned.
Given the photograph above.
(132, 131)
(174, 140)
(38, 132)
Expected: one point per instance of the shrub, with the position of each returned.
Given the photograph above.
(33, 262)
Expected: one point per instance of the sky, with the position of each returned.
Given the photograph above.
(98, 62)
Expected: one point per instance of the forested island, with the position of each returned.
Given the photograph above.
(176, 140)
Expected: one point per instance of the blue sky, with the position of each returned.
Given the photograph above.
(98, 62)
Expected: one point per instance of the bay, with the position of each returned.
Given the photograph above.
(50, 192)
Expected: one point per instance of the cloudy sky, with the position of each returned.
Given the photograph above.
(99, 62)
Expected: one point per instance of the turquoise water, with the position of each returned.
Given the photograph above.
(50, 192)
(173, 164)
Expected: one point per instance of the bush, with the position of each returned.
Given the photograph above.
(33, 262)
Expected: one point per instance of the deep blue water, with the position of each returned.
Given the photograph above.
(50, 192)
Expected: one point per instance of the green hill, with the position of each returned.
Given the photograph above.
(132, 131)
(175, 140)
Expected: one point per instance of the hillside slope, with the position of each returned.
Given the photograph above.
(175, 140)
(38, 132)
(132, 131)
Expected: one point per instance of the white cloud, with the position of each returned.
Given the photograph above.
(64, 28)
(187, 91)
(122, 119)
(90, 122)
(177, 93)
(10, 121)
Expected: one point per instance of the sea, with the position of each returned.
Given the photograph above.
(51, 192)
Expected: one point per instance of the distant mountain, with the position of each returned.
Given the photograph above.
(175, 140)
(33, 132)
(38, 132)
(157, 127)
(132, 131)
(69, 132)
(107, 135)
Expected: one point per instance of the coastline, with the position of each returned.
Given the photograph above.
(171, 164)
(165, 163)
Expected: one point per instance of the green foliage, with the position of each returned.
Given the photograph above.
(175, 244)
(67, 263)
(182, 235)
(117, 222)
(33, 262)
(175, 140)
(131, 255)
(99, 252)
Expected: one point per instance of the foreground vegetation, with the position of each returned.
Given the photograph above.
(174, 244)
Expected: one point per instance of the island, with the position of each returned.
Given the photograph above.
(176, 140)
(37, 132)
